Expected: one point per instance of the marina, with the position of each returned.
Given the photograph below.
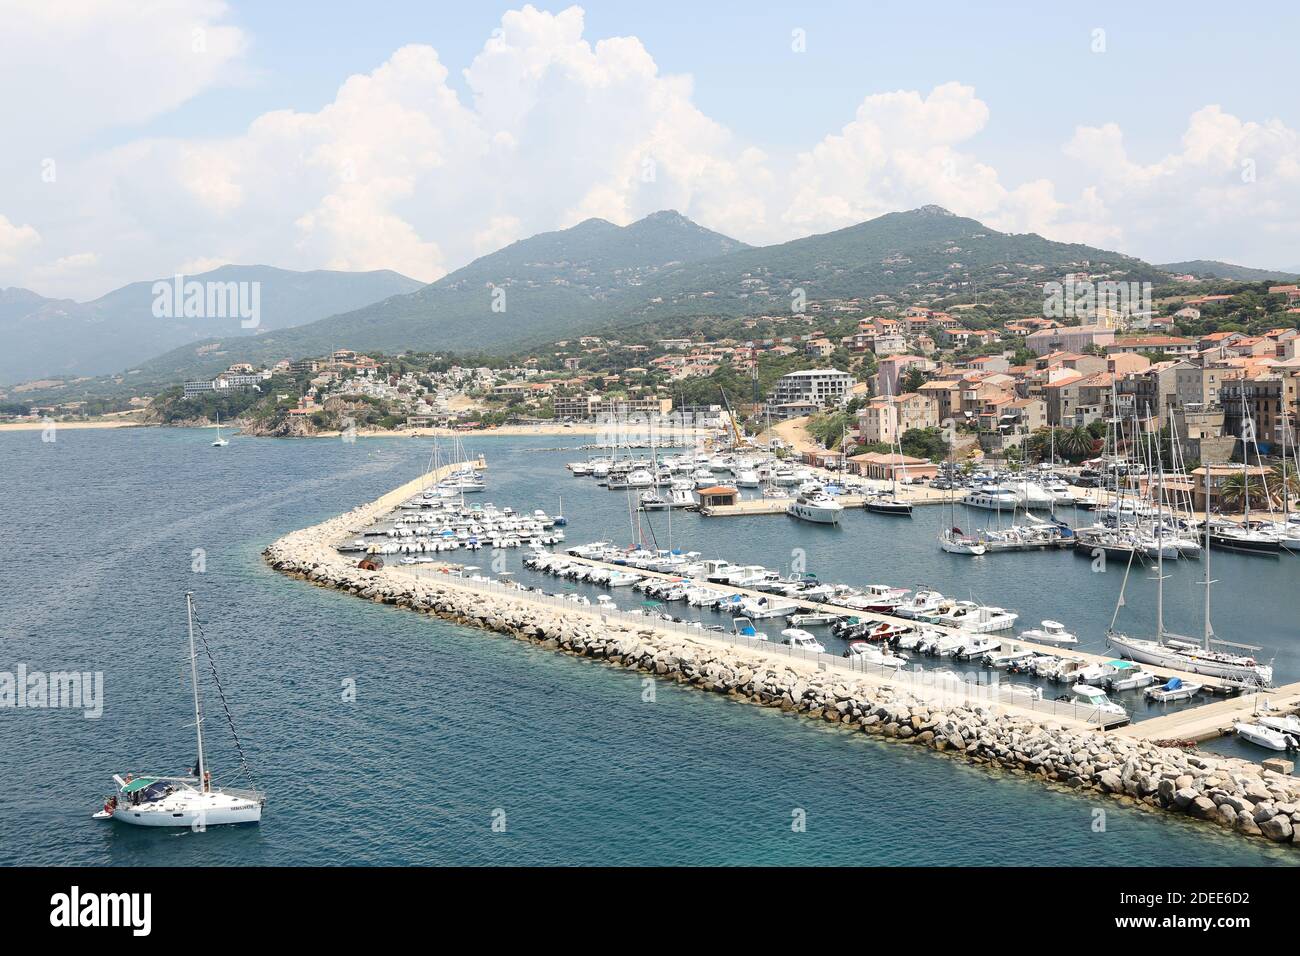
(287, 674)
(943, 629)
(730, 660)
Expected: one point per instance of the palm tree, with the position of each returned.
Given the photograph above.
(1237, 489)
(1075, 442)
(1291, 491)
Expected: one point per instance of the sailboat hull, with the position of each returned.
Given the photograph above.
(1244, 545)
(1151, 652)
(902, 509)
(191, 809)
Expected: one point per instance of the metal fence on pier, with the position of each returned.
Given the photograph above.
(945, 687)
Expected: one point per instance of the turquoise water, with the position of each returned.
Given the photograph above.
(452, 728)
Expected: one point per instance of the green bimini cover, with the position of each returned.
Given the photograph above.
(139, 784)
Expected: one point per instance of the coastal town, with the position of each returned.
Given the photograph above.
(827, 383)
(495, 437)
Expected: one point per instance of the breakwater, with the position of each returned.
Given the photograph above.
(1236, 794)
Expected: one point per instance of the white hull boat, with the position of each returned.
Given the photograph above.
(802, 640)
(1290, 724)
(189, 801)
(817, 509)
(1174, 689)
(1051, 632)
(1189, 657)
(1262, 736)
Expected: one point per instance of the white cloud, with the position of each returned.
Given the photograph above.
(1234, 186)
(400, 171)
(74, 68)
(15, 240)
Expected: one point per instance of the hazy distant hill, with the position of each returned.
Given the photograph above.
(596, 275)
(61, 338)
(553, 284)
(1213, 269)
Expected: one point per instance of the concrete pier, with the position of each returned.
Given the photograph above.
(1237, 795)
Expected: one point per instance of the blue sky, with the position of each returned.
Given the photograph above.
(1032, 61)
(1139, 147)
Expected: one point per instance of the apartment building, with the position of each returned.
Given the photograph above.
(817, 386)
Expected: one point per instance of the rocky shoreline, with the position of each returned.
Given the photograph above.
(1237, 795)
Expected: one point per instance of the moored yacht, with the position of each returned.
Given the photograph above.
(992, 497)
(817, 507)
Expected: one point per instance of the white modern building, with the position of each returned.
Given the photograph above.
(817, 386)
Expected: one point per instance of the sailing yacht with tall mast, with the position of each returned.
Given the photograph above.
(890, 504)
(220, 442)
(185, 801)
(1182, 653)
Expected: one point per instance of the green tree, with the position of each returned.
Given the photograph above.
(1238, 488)
(925, 443)
(1074, 443)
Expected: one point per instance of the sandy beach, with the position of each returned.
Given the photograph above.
(519, 431)
(39, 425)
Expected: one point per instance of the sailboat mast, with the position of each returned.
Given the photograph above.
(1160, 552)
(1209, 629)
(194, 682)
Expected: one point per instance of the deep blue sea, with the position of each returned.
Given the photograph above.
(452, 729)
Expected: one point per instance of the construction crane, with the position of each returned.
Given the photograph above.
(737, 436)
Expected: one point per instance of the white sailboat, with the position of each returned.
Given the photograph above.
(1182, 653)
(889, 503)
(220, 442)
(184, 801)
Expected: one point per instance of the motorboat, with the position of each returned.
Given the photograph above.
(977, 618)
(746, 478)
(920, 604)
(873, 655)
(1096, 699)
(764, 607)
(977, 647)
(812, 617)
(816, 507)
(1050, 632)
(1005, 659)
(992, 497)
(1288, 724)
(1173, 689)
(1128, 676)
(802, 640)
(1262, 736)
(744, 627)
(640, 478)
(880, 598)
(1030, 495)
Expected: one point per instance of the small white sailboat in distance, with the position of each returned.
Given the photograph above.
(186, 801)
(220, 442)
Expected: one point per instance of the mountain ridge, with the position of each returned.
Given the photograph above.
(596, 274)
(1216, 269)
(63, 337)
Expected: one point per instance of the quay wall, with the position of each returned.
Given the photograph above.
(1236, 795)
